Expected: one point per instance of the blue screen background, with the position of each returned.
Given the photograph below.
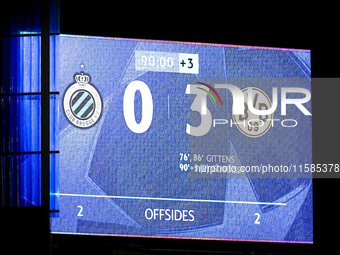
(105, 170)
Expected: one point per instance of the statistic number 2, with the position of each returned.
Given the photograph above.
(80, 213)
(257, 220)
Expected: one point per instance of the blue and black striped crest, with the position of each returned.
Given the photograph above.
(82, 104)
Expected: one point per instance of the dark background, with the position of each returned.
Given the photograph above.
(256, 25)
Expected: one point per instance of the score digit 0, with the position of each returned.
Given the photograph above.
(129, 107)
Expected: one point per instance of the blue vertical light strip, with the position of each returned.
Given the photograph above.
(20, 122)
(20, 175)
(13, 85)
(21, 18)
(30, 190)
(54, 184)
(30, 121)
(21, 109)
(54, 123)
(54, 16)
(30, 64)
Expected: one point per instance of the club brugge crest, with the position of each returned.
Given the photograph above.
(82, 102)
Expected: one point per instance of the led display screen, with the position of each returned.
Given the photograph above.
(184, 140)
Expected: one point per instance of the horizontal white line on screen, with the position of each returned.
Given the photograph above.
(172, 199)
